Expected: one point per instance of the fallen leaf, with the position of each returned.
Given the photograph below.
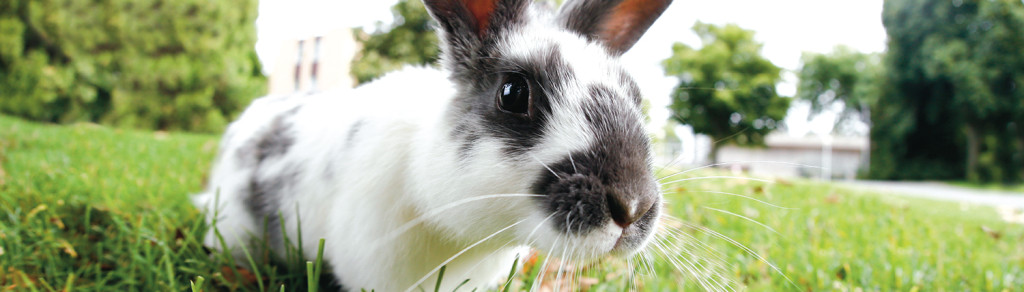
(70, 250)
(832, 198)
(56, 221)
(530, 262)
(991, 233)
(248, 278)
(36, 210)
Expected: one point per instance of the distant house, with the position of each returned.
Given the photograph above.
(315, 64)
(827, 157)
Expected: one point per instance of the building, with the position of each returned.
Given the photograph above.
(315, 64)
(827, 157)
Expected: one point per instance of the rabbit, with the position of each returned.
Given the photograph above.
(530, 135)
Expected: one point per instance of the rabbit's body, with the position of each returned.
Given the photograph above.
(531, 136)
(346, 169)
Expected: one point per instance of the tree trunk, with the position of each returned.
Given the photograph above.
(972, 152)
(713, 155)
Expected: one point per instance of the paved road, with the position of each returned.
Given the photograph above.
(941, 191)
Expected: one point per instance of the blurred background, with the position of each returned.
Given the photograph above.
(825, 118)
(905, 89)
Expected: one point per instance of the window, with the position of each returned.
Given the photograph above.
(298, 67)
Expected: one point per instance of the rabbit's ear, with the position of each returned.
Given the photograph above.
(617, 24)
(467, 24)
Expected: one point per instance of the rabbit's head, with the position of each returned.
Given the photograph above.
(543, 107)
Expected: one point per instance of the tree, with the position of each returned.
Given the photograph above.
(951, 107)
(409, 40)
(843, 76)
(726, 88)
(155, 64)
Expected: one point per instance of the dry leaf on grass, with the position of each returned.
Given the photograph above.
(248, 278)
(991, 232)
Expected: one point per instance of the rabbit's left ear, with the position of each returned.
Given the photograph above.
(617, 24)
(468, 25)
(476, 18)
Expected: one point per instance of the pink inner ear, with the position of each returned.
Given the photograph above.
(481, 10)
(617, 30)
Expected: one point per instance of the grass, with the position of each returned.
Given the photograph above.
(90, 208)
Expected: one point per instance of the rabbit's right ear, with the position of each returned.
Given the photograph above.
(468, 25)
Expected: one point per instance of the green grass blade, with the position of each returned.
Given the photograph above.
(460, 285)
(511, 275)
(197, 285)
(310, 277)
(440, 275)
(319, 261)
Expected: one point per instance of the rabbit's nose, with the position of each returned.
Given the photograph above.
(628, 209)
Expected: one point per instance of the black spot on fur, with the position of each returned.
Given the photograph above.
(273, 141)
(264, 190)
(265, 196)
(615, 167)
(353, 131)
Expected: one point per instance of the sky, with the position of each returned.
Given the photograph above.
(787, 28)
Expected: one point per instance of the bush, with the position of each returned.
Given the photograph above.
(153, 64)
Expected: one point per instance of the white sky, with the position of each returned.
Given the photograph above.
(785, 27)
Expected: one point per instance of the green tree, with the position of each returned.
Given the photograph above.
(157, 64)
(410, 39)
(842, 76)
(951, 107)
(726, 88)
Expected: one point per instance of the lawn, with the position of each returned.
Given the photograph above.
(86, 207)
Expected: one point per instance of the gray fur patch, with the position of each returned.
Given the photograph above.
(264, 192)
(353, 132)
(273, 141)
(264, 198)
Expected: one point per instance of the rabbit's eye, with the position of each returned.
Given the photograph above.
(514, 95)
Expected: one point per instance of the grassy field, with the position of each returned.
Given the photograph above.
(85, 207)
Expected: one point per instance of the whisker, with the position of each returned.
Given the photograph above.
(545, 166)
(712, 276)
(742, 196)
(529, 243)
(544, 267)
(745, 248)
(409, 225)
(719, 176)
(574, 171)
(707, 248)
(561, 266)
(420, 281)
(631, 282)
(730, 136)
(737, 162)
(744, 217)
(670, 256)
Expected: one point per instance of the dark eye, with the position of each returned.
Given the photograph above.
(514, 95)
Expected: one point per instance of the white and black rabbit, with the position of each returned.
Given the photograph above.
(531, 135)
